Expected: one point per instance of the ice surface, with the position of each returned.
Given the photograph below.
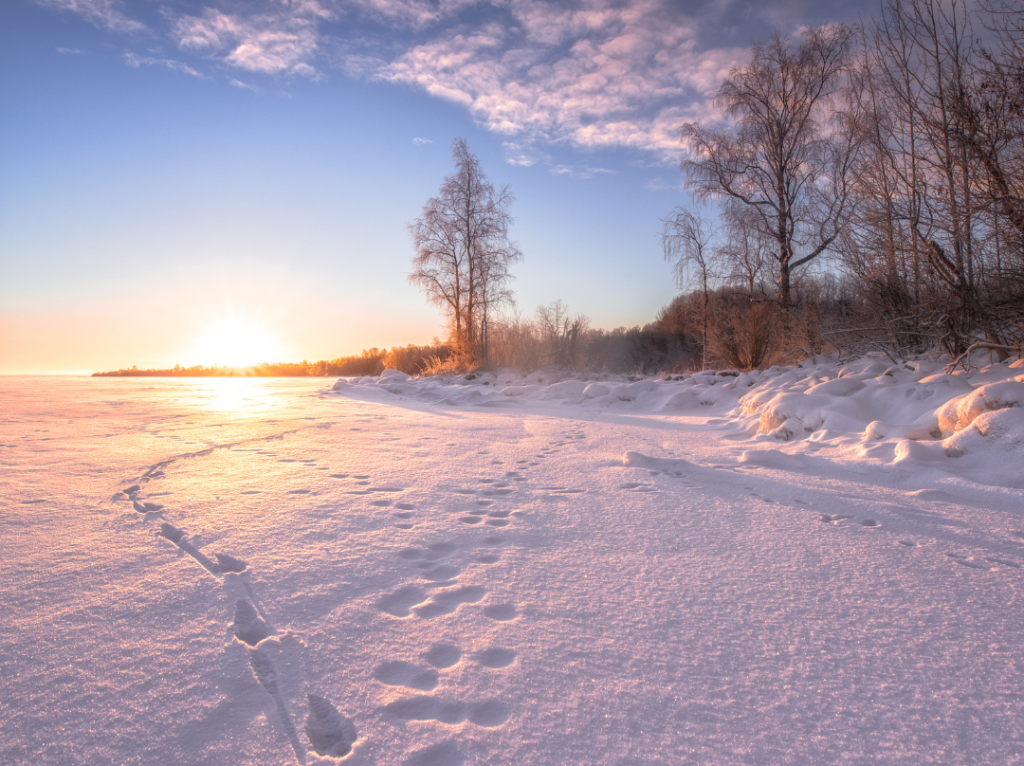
(800, 566)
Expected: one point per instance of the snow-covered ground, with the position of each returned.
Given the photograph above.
(805, 566)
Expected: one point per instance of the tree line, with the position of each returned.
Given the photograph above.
(882, 169)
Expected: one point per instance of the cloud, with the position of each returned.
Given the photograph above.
(102, 13)
(282, 40)
(244, 85)
(586, 73)
(421, 141)
(603, 74)
(137, 61)
(580, 172)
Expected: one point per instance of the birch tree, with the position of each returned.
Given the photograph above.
(463, 252)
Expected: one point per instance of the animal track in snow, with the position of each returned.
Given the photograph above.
(400, 602)
(177, 536)
(442, 573)
(329, 732)
(405, 506)
(870, 523)
(406, 674)
(248, 626)
(443, 655)
(448, 601)
(967, 561)
(501, 612)
(470, 519)
(489, 714)
(832, 519)
(266, 673)
(495, 657)
(441, 754)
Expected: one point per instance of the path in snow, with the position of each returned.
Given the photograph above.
(398, 583)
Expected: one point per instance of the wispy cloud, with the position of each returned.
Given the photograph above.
(139, 61)
(103, 13)
(244, 85)
(71, 51)
(283, 39)
(421, 141)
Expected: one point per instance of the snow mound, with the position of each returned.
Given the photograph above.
(924, 414)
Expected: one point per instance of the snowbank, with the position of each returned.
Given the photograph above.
(926, 415)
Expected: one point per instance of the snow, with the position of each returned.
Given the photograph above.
(799, 566)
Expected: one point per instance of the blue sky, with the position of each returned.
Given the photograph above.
(168, 167)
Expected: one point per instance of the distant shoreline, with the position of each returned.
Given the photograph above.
(298, 370)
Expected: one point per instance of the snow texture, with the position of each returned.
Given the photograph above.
(807, 565)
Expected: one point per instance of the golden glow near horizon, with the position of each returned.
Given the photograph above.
(234, 340)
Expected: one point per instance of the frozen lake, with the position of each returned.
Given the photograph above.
(459, 584)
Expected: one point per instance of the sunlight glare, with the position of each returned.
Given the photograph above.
(232, 340)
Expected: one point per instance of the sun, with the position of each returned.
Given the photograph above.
(233, 340)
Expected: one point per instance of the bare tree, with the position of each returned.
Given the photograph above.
(463, 252)
(784, 156)
(564, 336)
(687, 240)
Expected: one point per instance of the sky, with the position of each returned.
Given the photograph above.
(204, 182)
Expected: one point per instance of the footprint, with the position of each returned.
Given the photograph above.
(337, 476)
(248, 625)
(1004, 562)
(489, 714)
(230, 563)
(380, 503)
(497, 522)
(501, 612)
(870, 523)
(406, 674)
(448, 601)
(405, 515)
(470, 519)
(499, 514)
(399, 603)
(443, 655)
(329, 732)
(441, 754)
(405, 506)
(252, 492)
(495, 658)
(404, 525)
(438, 551)
(442, 573)
(131, 489)
(299, 491)
(429, 709)
(964, 561)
